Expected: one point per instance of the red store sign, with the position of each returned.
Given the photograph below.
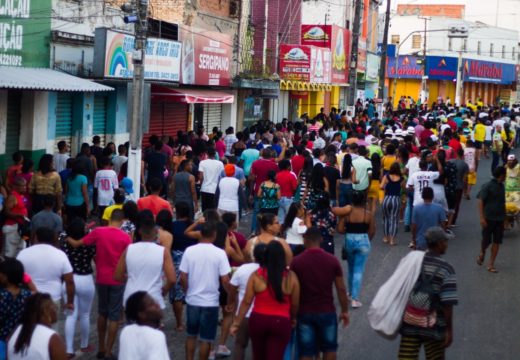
(206, 57)
(295, 62)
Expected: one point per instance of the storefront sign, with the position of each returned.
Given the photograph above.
(362, 55)
(320, 65)
(206, 57)
(441, 68)
(25, 27)
(298, 94)
(162, 57)
(295, 62)
(317, 35)
(488, 72)
(407, 68)
(372, 73)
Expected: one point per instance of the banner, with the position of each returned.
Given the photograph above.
(488, 72)
(362, 55)
(206, 57)
(373, 62)
(25, 27)
(407, 68)
(317, 35)
(162, 58)
(320, 65)
(441, 68)
(295, 62)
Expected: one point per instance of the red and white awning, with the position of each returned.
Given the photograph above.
(193, 96)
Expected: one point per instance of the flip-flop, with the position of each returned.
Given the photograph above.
(492, 270)
(480, 260)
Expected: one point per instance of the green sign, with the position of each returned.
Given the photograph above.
(25, 27)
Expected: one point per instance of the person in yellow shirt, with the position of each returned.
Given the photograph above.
(479, 134)
(119, 199)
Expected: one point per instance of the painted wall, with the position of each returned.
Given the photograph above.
(33, 123)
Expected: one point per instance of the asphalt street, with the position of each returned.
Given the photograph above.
(486, 321)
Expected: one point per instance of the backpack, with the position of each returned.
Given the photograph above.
(421, 309)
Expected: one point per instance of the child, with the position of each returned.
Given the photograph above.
(295, 225)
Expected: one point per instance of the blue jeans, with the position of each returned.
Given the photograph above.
(317, 333)
(345, 194)
(256, 210)
(358, 248)
(409, 208)
(202, 322)
(284, 203)
(3, 350)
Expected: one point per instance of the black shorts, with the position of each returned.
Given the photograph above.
(451, 199)
(110, 301)
(493, 233)
(478, 144)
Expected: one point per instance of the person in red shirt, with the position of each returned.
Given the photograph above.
(298, 160)
(425, 134)
(288, 185)
(14, 170)
(258, 175)
(154, 202)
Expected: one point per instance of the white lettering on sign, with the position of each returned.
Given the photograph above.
(15, 8)
(213, 62)
(11, 36)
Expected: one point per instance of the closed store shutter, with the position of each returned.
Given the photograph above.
(12, 133)
(166, 119)
(212, 116)
(100, 117)
(63, 119)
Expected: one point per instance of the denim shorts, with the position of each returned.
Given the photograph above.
(202, 321)
(317, 333)
(110, 301)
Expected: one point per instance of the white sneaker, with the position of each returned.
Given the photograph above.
(222, 350)
(211, 355)
(356, 304)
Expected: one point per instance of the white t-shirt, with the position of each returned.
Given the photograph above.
(211, 170)
(46, 265)
(118, 161)
(105, 182)
(240, 278)
(489, 133)
(413, 165)
(295, 232)
(205, 264)
(60, 161)
(138, 342)
(420, 180)
(228, 198)
(38, 349)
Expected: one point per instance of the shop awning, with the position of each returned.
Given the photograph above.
(193, 96)
(12, 77)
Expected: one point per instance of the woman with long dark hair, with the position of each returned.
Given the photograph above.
(76, 194)
(344, 185)
(324, 219)
(304, 176)
(295, 225)
(375, 194)
(392, 184)
(317, 186)
(34, 337)
(269, 194)
(275, 292)
(46, 181)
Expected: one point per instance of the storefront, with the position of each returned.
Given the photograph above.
(257, 99)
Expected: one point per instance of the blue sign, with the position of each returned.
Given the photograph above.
(488, 72)
(441, 68)
(407, 68)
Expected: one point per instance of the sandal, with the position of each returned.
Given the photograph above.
(491, 269)
(480, 259)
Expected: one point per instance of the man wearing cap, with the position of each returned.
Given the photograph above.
(444, 288)
(128, 186)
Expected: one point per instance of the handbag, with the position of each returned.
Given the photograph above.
(421, 309)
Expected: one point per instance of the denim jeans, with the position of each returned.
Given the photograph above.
(256, 210)
(284, 204)
(409, 208)
(358, 248)
(202, 321)
(345, 194)
(317, 332)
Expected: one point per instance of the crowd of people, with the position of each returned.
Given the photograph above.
(293, 185)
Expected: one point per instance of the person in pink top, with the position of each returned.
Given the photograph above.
(220, 145)
(110, 242)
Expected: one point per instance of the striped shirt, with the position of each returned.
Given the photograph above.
(445, 286)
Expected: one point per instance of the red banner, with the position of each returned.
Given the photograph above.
(295, 62)
(206, 57)
(317, 35)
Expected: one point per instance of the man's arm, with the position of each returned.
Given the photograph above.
(184, 281)
(448, 315)
(343, 300)
(483, 221)
(169, 271)
(194, 193)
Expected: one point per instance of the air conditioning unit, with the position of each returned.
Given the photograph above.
(234, 8)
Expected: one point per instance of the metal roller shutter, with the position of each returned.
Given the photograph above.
(212, 116)
(100, 118)
(166, 119)
(12, 131)
(63, 119)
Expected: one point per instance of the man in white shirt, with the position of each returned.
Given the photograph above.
(203, 268)
(363, 168)
(48, 267)
(229, 140)
(105, 182)
(209, 175)
(141, 340)
(120, 159)
(420, 180)
(61, 157)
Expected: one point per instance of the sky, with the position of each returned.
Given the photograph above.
(479, 10)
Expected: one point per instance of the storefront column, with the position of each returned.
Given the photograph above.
(229, 114)
(33, 124)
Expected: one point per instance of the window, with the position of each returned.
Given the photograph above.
(416, 41)
(395, 39)
(464, 44)
(503, 51)
(479, 48)
(450, 44)
(491, 50)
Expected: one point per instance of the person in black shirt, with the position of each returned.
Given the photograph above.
(156, 165)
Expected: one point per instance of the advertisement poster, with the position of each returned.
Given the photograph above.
(441, 68)
(362, 56)
(320, 65)
(295, 62)
(340, 48)
(206, 57)
(488, 72)
(317, 35)
(407, 68)
(162, 58)
(372, 73)
(25, 27)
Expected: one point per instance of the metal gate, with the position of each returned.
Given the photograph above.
(12, 132)
(100, 118)
(166, 118)
(212, 117)
(64, 120)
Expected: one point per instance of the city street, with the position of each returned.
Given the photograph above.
(486, 319)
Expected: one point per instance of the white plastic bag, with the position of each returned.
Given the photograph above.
(386, 311)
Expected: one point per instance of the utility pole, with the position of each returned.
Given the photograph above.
(424, 85)
(356, 32)
(136, 129)
(384, 48)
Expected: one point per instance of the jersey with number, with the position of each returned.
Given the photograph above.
(105, 183)
(420, 180)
